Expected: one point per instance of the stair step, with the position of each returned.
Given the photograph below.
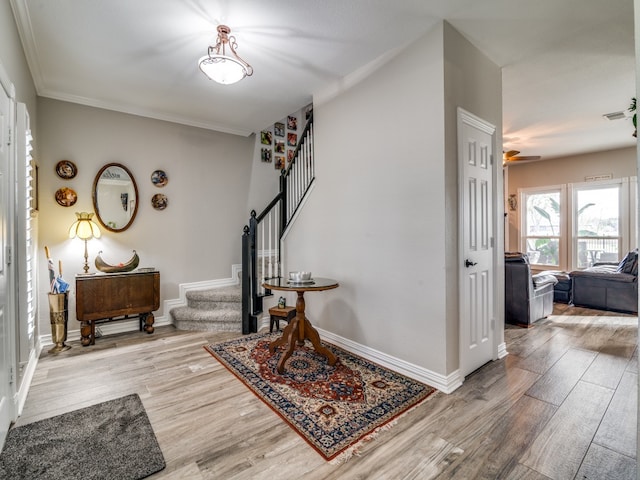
(215, 298)
(218, 320)
(231, 293)
(210, 310)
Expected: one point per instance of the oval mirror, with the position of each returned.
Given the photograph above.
(115, 197)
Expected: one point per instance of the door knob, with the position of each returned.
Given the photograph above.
(468, 263)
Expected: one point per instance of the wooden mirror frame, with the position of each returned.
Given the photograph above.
(96, 207)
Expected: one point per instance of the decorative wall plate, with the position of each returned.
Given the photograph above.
(159, 201)
(159, 178)
(66, 196)
(66, 169)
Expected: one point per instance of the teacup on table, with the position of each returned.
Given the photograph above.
(298, 277)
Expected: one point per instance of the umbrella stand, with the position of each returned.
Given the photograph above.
(59, 316)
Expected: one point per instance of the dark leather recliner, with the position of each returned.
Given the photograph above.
(528, 298)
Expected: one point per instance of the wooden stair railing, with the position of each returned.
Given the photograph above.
(261, 239)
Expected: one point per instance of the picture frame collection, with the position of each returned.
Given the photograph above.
(278, 143)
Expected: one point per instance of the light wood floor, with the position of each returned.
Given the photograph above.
(562, 405)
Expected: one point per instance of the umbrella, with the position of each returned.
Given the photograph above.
(52, 273)
(61, 285)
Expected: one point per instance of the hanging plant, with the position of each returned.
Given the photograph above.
(632, 108)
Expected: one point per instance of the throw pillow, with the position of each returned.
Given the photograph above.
(629, 263)
(634, 269)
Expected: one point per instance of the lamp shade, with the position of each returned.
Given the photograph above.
(84, 227)
(222, 69)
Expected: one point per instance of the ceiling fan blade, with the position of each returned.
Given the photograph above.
(523, 159)
(511, 153)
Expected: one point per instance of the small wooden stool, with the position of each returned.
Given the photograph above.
(277, 314)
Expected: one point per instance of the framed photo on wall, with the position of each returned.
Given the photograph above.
(265, 155)
(278, 129)
(266, 137)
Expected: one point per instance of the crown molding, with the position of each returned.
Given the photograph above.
(141, 112)
(25, 31)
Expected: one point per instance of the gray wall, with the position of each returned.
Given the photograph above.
(196, 238)
(617, 163)
(474, 83)
(382, 218)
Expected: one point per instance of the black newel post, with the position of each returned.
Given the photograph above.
(246, 286)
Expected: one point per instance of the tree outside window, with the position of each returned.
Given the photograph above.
(543, 227)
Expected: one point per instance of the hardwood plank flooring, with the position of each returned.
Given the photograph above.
(577, 418)
(618, 430)
(562, 405)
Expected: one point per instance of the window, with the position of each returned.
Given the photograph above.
(543, 225)
(599, 226)
(573, 226)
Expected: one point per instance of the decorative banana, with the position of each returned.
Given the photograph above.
(122, 267)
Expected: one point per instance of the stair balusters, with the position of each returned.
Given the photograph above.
(261, 255)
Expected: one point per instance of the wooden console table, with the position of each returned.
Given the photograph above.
(116, 296)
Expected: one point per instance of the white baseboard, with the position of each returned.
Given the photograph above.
(502, 350)
(21, 395)
(161, 320)
(181, 301)
(446, 384)
(110, 328)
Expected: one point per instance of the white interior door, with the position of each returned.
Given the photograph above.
(475, 163)
(6, 331)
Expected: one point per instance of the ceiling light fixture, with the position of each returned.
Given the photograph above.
(222, 66)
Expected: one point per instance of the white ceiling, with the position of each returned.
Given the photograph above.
(565, 62)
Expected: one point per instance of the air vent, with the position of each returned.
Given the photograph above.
(614, 116)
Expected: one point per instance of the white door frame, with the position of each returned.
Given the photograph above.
(498, 347)
(8, 336)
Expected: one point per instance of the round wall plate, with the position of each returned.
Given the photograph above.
(66, 169)
(66, 196)
(159, 201)
(159, 178)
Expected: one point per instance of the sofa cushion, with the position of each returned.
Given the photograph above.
(559, 274)
(604, 273)
(629, 263)
(543, 279)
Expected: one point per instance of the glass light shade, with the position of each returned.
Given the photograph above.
(84, 227)
(222, 69)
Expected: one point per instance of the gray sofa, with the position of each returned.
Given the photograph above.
(528, 297)
(608, 286)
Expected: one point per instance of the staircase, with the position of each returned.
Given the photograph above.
(236, 308)
(261, 241)
(215, 309)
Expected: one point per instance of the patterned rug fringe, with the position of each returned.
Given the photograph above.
(355, 450)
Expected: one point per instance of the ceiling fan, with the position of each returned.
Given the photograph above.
(511, 156)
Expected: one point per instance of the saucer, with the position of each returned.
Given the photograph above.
(301, 282)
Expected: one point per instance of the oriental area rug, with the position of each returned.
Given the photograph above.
(112, 440)
(331, 407)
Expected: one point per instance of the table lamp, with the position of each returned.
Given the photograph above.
(85, 229)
